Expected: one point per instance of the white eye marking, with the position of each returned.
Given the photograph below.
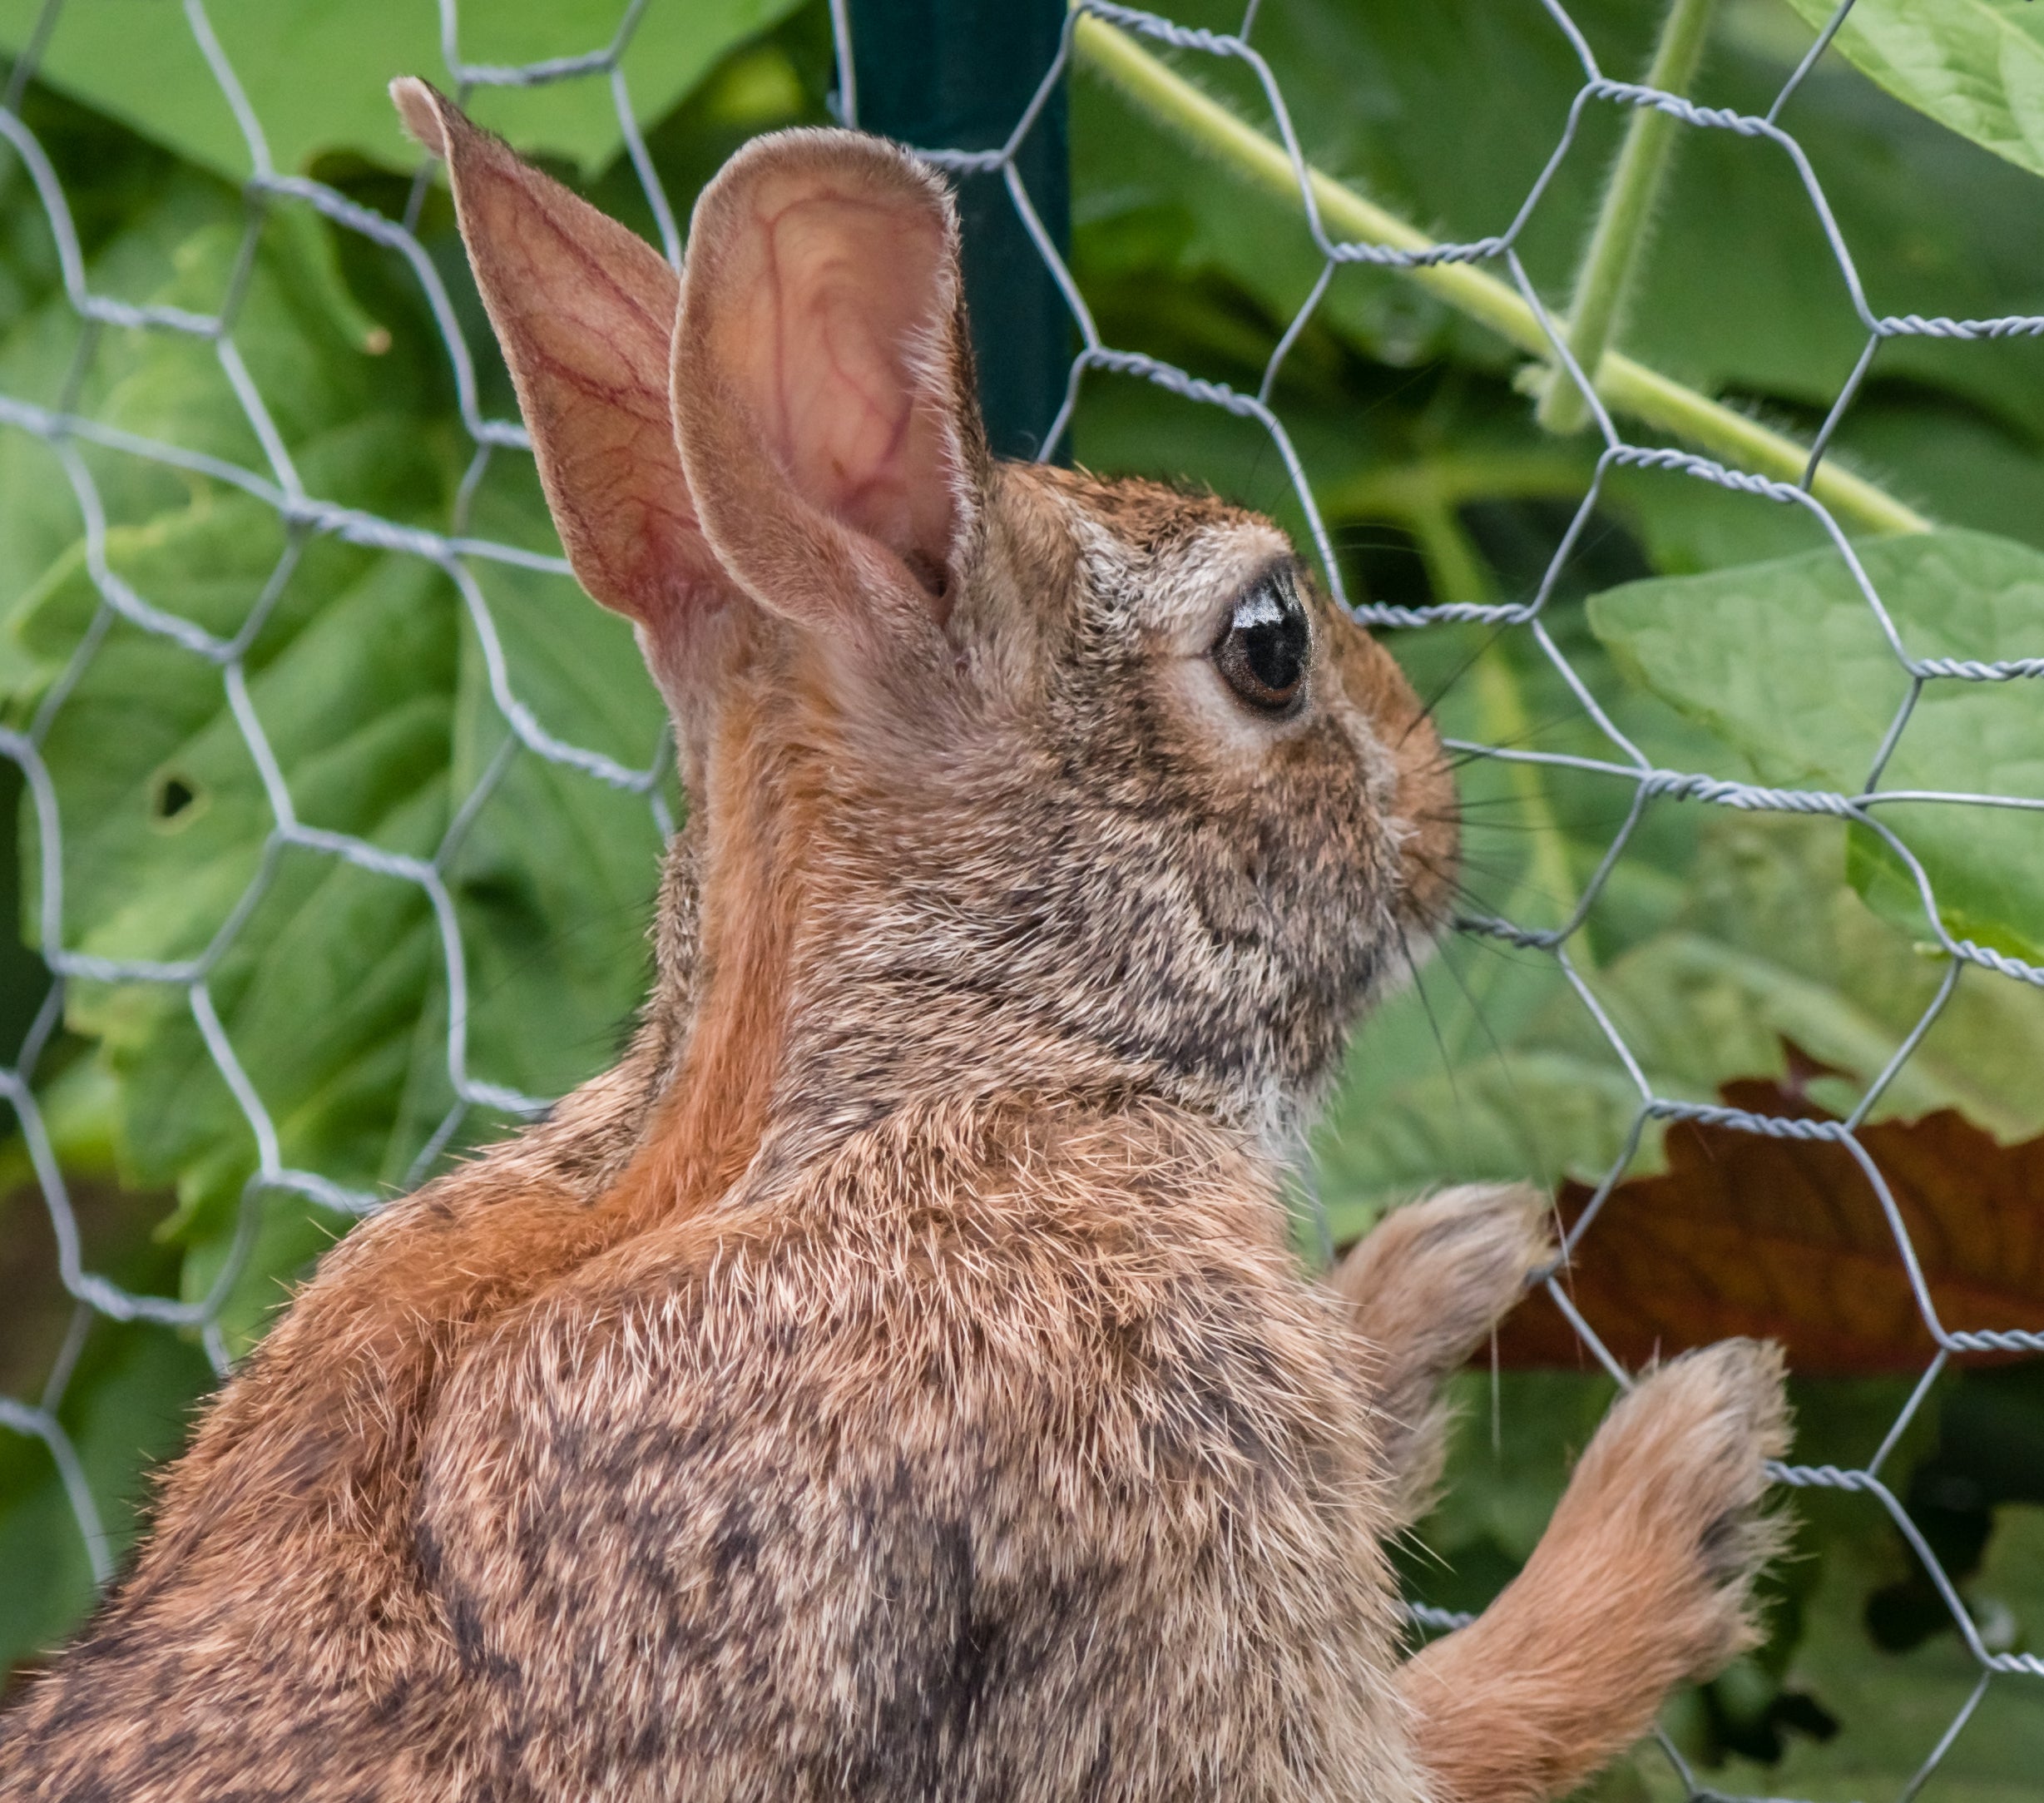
(1262, 606)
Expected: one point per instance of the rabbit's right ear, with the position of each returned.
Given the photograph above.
(824, 392)
(585, 311)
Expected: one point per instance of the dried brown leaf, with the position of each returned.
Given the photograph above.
(1787, 1240)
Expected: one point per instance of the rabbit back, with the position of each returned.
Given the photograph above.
(1004, 1456)
(1008, 1457)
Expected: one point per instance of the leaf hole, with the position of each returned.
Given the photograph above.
(176, 800)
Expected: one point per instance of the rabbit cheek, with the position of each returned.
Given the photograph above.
(1284, 866)
(1337, 904)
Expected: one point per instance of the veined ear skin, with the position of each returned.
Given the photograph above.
(823, 387)
(792, 420)
(585, 310)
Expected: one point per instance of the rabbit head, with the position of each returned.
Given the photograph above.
(1002, 775)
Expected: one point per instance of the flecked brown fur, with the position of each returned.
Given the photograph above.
(892, 1381)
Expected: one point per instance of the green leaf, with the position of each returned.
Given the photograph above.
(316, 71)
(1743, 290)
(1977, 66)
(1509, 1460)
(127, 1408)
(1382, 95)
(1790, 663)
(1945, 458)
(368, 676)
(109, 177)
(1893, 1708)
(370, 681)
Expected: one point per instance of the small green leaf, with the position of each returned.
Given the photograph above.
(1790, 663)
(1977, 66)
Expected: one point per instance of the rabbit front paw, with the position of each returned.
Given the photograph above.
(1426, 1286)
(1671, 1489)
(1644, 1577)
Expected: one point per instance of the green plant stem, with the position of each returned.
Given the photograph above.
(1623, 385)
(1618, 239)
(1453, 477)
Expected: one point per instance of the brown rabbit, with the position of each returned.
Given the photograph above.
(892, 1381)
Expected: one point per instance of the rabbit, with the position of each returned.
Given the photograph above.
(893, 1380)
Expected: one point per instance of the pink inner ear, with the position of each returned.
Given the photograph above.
(841, 347)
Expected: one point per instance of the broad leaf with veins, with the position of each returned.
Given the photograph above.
(1977, 66)
(315, 71)
(1790, 663)
(368, 680)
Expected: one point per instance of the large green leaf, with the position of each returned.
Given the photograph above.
(122, 178)
(1789, 662)
(370, 686)
(1977, 66)
(316, 71)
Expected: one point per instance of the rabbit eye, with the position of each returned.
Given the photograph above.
(1263, 652)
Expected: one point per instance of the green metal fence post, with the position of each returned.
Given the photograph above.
(957, 75)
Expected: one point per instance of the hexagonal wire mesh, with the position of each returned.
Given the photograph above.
(305, 515)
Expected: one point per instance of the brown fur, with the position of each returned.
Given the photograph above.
(1427, 1285)
(891, 1381)
(1641, 1581)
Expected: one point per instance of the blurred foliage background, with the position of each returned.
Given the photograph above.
(1718, 631)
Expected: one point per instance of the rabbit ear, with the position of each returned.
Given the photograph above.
(585, 311)
(823, 384)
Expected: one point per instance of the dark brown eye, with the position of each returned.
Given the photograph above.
(1263, 652)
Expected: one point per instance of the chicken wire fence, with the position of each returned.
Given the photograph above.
(455, 554)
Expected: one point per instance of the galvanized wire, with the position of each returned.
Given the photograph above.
(458, 556)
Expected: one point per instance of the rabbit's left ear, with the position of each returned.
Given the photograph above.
(585, 311)
(823, 385)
